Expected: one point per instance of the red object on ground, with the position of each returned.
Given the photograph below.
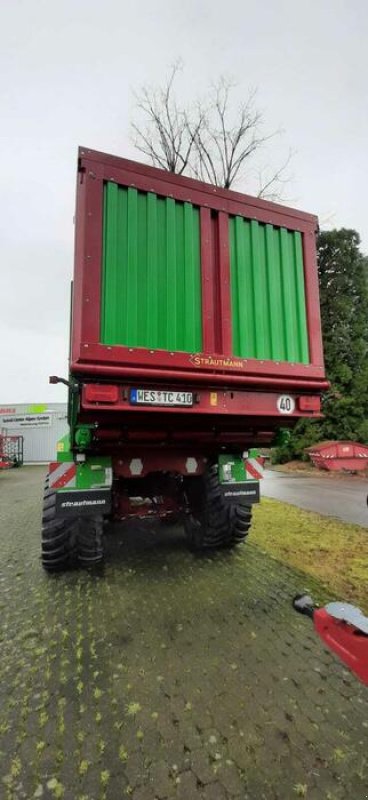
(4, 462)
(348, 642)
(336, 456)
(11, 451)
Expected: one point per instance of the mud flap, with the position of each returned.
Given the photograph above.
(83, 502)
(244, 493)
(235, 485)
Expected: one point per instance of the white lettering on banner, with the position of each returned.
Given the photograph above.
(27, 421)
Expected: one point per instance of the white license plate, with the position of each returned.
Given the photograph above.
(164, 397)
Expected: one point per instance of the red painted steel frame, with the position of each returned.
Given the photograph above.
(245, 404)
(89, 356)
(152, 461)
(214, 378)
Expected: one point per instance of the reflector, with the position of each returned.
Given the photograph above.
(309, 403)
(101, 393)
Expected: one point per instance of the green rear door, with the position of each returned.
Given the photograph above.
(151, 286)
(267, 292)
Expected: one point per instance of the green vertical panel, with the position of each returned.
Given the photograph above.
(288, 285)
(264, 304)
(277, 332)
(267, 291)
(171, 274)
(121, 275)
(247, 312)
(257, 268)
(194, 299)
(180, 276)
(161, 274)
(236, 294)
(103, 275)
(110, 255)
(141, 268)
(283, 301)
(151, 283)
(131, 268)
(242, 287)
(300, 299)
(191, 290)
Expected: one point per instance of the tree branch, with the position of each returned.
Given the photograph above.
(277, 178)
(216, 141)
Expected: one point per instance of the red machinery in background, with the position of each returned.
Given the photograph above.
(339, 456)
(11, 451)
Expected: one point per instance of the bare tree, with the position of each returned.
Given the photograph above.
(223, 145)
(215, 140)
(271, 182)
(228, 139)
(166, 138)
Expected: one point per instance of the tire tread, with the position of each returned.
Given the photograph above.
(67, 543)
(216, 524)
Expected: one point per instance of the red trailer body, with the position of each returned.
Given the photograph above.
(195, 335)
(216, 206)
(241, 395)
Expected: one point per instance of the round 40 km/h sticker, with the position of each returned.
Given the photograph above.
(285, 404)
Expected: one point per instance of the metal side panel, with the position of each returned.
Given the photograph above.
(267, 291)
(151, 283)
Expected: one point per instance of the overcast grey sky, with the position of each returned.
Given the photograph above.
(67, 71)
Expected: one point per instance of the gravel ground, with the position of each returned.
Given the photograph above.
(166, 675)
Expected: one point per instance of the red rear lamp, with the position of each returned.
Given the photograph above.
(101, 393)
(309, 403)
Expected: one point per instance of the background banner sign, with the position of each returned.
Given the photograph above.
(26, 421)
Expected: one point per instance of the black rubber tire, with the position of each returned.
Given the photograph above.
(210, 522)
(68, 543)
(90, 546)
(59, 537)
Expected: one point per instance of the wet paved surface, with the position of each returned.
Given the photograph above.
(166, 675)
(343, 498)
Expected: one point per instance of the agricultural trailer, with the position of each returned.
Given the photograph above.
(195, 336)
(11, 451)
